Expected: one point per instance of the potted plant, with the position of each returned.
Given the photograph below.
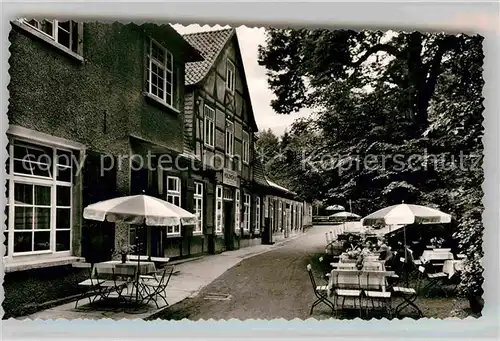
(123, 249)
(436, 242)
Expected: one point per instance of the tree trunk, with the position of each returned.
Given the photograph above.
(476, 303)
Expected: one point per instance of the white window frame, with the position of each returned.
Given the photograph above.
(230, 75)
(54, 36)
(198, 207)
(246, 147)
(167, 67)
(209, 128)
(218, 209)
(246, 212)
(257, 214)
(36, 180)
(172, 194)
(237, 216)
(229, 138)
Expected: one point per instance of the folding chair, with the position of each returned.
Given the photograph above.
(91, 283)
(373, 266)
(434, 279)
(327, 239)
(375, 289)
(346, 284)
(321, 292)
(105, 272)
(155, 288)
(345, 266)
(135, 258)
(409, 296)
(371, 258)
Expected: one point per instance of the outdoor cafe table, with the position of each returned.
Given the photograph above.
(145, 267)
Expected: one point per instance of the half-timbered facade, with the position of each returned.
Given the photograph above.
(219, 131)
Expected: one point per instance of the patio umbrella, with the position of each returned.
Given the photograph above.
(142, 210)
(404, 214)
(335, 208)
(345, 215)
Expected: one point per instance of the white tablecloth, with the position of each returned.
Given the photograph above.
(144, 266)
(451, 266)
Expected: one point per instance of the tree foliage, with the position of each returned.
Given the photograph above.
(398, 116)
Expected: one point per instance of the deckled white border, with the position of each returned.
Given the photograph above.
(444, 15)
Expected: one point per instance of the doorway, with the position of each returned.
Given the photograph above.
(228, 225)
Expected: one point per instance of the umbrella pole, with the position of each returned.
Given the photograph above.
(406, 255)
(138, 266)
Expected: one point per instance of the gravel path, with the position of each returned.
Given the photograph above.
(268, 286)
(276, 285)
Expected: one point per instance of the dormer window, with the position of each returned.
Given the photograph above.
(230, 71)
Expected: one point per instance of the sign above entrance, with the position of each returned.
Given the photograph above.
(229, 177)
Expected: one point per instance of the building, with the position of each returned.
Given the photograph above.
(219, 131)
(284, 213)
(98, 111)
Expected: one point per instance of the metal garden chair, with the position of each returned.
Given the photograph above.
(91, 283)
(108, 280)
(374, 289)
(156, 287)
(346, 284)
(321, 292)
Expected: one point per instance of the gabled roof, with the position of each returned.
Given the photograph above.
(211, 44)
(258, 173)
(275, 185)
(261, 179)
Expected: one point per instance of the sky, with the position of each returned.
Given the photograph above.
(260, 95)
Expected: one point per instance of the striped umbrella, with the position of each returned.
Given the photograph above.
(139, 210)
(405, 214)
(335, 208)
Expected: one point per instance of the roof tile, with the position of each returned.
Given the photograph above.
(210, 44)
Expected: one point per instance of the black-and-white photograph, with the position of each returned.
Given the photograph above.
(161, 171)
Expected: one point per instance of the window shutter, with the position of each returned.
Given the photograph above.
(189, 195)
(208, 201)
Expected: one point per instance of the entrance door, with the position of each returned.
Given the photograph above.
(228, 225)
(157, 237)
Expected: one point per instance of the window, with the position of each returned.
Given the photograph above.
(162, 75)
(246, 147)
(237, 217)
(257, 215)
(218, 210)
(198, 206)
(64, 33)
(230, 71)
(39, 199)
(209, 114)
(174, 197)
(228, 194)
(246, 213)
(174, 190)
(229, 138)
